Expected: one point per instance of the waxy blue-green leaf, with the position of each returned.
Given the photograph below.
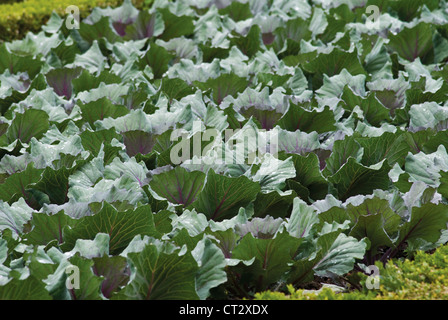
(260, 228)
(426, 222)
(211, 262)
(24, 289)
(335, 253)
(15, 216)
(159, 274)
(61, 80)
(427, 167)
(101, 109)
(175, 25)
(87, 81)
(273, 172)
(92, 60)
(413, 43)
(46, 227)
(274, 203)
(354, 178)
(333, 63)
(93, 140)
(157, 58)
(299, 118)
(341, 152)
(31, 123)
(99, 30)
(392, 147)
(223, 86)
(146, 25)
(309, 182)
(302, 219)
(120, 226)
(178, 186)
(18, 63)
(272, 257)
(114, 272)
(55, 182)
(222, 197)
(89, 283)
(16, 184)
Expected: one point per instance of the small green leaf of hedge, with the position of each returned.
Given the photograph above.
(18, 18)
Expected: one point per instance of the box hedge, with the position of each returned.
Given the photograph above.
(423, 278)
(18, 18)
(9, 1)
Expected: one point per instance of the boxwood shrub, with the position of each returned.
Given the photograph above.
(18, 18)
(423, 278)
(9, 1)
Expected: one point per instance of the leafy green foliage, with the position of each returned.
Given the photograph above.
(200, 151)
(421, 278)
